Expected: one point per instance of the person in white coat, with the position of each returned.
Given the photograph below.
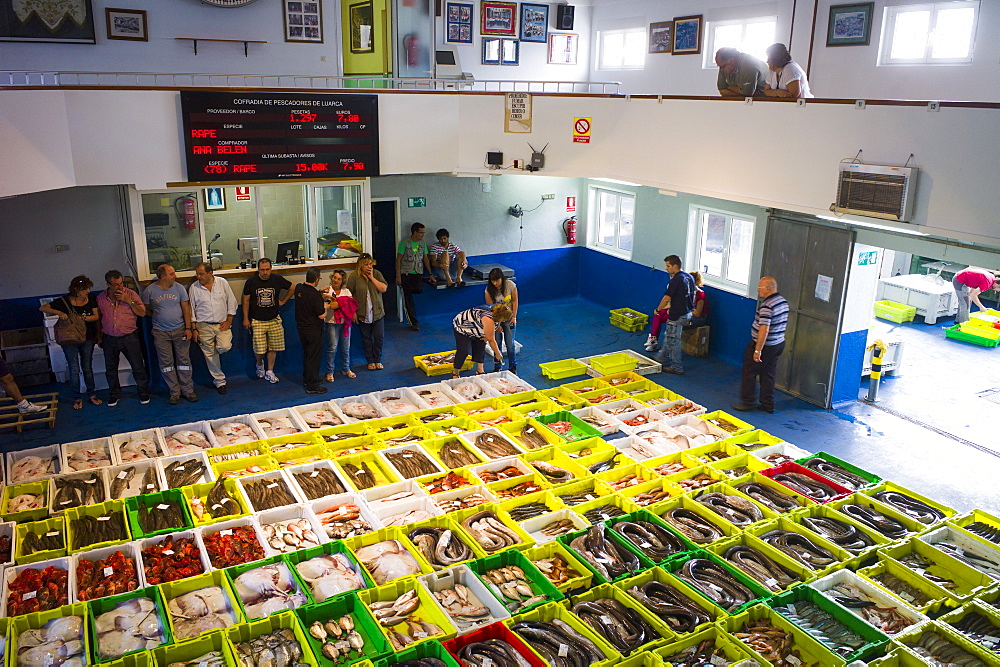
(784, 76)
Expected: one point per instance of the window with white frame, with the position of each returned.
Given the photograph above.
(721, 247)
(612, 221)
(929, 33)
(622, 49)
(751, 36)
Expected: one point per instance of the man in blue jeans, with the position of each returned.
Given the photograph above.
(679, 302)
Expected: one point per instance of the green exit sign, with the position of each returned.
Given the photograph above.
(416, 202)
(867, 258)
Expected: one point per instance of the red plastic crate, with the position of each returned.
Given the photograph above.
(795, 467)
(495, 631)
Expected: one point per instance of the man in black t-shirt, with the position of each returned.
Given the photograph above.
(310, 311)
(679, 299)
(261, 305)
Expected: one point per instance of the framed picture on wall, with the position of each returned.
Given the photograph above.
(304, 21)
(661, 37)
(215, 199)
(491, 50)
(66, 22)
(362, 27)
(850, 25)
(687, 35)
(499, 18)
(534, 22)
(127, 24)
(458, 20)
(510, 51)
(563, 47)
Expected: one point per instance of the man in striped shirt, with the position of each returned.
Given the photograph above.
(767, 342)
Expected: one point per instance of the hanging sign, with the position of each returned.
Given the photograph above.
(518, 113)
(581, 130)
(243, 194)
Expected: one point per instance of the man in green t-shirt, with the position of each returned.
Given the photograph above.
(740, 74)
(412, 258)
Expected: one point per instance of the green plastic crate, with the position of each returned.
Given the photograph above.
(192, 649)
(663, 634)
(560, 370)
(649, 517)
(617, 362)
(894, 311)
(971, 334)
(580, 429)
(664, 577)
(327, 548)
(873, 480)
(759, 592)
(538, 582)
(375, 646)
(152, 501)
(429, 649)
(102, 605)
(599, 578)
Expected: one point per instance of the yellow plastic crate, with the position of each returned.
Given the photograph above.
(894, 312)
(617, 362)
(438, 369)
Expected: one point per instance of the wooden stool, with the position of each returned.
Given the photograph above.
(11, 418)
(694, 341)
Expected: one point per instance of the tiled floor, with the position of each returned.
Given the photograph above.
(935, 386)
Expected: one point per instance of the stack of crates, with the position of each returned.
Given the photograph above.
(628, 319)
(27, 355)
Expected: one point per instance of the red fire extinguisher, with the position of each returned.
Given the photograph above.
(186, 211)
(569, 227)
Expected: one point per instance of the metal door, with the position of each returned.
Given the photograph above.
(384, 242)
(810, 262)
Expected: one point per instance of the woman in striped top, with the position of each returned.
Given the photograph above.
(473, 329)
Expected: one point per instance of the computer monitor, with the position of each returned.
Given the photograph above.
(286, 250)
(246, 246)
(446, 62)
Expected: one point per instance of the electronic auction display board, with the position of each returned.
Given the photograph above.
(279, 136)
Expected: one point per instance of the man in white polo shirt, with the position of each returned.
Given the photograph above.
(213, 306)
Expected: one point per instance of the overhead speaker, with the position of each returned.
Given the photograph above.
(564, 17)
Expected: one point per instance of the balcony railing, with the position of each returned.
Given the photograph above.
(52, 79)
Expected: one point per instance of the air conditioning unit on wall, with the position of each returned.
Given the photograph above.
(876, 191)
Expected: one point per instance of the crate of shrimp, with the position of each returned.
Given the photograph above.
(628, 319)
(439, 363)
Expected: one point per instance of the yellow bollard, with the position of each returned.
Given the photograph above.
(878, 350)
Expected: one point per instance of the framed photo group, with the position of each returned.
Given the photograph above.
(681, 36)
(504, 26)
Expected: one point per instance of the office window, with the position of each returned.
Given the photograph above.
(612, 221)
(934, 33)
(751, 36)
(622, 49)
(722, 248)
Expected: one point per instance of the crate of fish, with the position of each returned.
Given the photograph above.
(555, 466)
(568, 426)
(398, 402)
(406, 512)
(232, 542)
(675, 605)
(266, 587)
(40, 540)
(753, 441)
(79, 488)
(281, 631)
(980, 554)
(694, 520)
(533, 409)
(849, 534)
(450, 426)
(936, 643)
(410, 460)
(738, 469)
(605, 554)
(171, 557)
(317, 479)
(190, 438)
(438, 363)
(591, 451)
(230, 469)
(7, 531)
(621, 620)
(869, 602)
(550, 525)
(453, 452)
(342, 631)
(290, 528)
(719, 582)
(920, 508)
(780, 498)
(430, 652)
(268, 490)
(560, 566)
(768, 566)
(620, 477)
(126, 624)
(978, 621)
(734, 506)
(959, 578)
(330, 571)
(454, 478)
(94, 526)
(25, 502)
(441, 543)
(211, 648)
(817, 554)
(465, 600)
(359, 408)
(629, 319)
(216, 501)
(87, 455)
(926, 596)
(839, 471)
(406, 613)
(806, 482)
(386, 556)
(651, 494)
(973, 334)
(649, 535)
(319, 415)
(884, 518)
(31, 465)
(200, 604)
(479, 644)
(365, 471)
(551, 626)
(62, 632)
(133, 479)
(298, 455)
(436, 395)
(158, 513)
(492, 528)
(562, 369)
(137, 445)
(979, 523)
(604, 508)
(36, 587)
(107, 571)
(708, 646)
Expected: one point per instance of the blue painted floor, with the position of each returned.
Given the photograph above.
(896, 448)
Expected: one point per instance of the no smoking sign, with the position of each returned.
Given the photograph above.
(581, 130)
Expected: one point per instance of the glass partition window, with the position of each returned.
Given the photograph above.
(338, 220)
(170, 226)
(284, 222)
(230, 230)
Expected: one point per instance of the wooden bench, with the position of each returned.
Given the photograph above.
(11, 418)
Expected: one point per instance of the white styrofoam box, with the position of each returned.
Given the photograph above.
(263, 419)
(394, 512)
(309, 468)
(645, 366)
(100, 480)
(413, 447)
(11, 573)
(505, 382)
(57, 358)
(323, 406)
(134, 487)
(244, 425)
(621, 406)
(495, 465)
(594, 412)
(441, 499)
(129, 549)
(470, 393)
(170, 448)
(119, 441)
(480, 596)
(381, 496)
(98, 447)
(211, 529)
(649, 414)
(398, 402)
(967, 543)
(436, 394)
(665, 407)
(367, 514)
(148, 542)
(876, 594)
(364, 399)
(47, 452)
(7, 530)
(62, 375)
(269, 477)
(286, 513)
(200, 457)
(125, 377)
(785, 448)
(534, 525)
(471, 437)
(638, 449)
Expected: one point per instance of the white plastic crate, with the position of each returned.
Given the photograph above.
(148, 542)
(397, 402)
(11, 573)
(310, 468)
(613, 423)
(211, 529)
(134, 487)
(238, 429)
(268, 423)
(471, 436)
(48, 452)
(505, 383)
(416, 449)
(287, 513)
(393, 514)
(534, 525)
(172, 445)
(7, 530)
(466, 393)
(380, 496)
(129, 549)
(269, 477)
(200, 457)
(120, 440)
(442, 499)
(315, 413)
(875, 593)
(350, 410)
(436, 394)
(367, 514)
(98, 452)
(100, 480)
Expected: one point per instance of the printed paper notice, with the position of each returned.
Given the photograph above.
(345, 222)
(824, 284)
(518, 117)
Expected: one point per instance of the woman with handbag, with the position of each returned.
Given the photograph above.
(76, 332)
